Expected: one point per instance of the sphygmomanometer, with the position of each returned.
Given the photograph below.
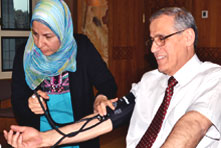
(122, 113)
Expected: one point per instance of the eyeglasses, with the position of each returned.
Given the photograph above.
(160, 39)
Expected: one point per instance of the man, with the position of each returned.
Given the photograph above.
(192, 116)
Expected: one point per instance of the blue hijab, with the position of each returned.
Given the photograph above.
(56, 15)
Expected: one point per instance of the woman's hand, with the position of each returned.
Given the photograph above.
(34, 104)
(100, 104)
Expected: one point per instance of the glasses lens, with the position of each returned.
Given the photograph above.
(160, 40)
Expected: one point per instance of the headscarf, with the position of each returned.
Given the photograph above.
(56, 15)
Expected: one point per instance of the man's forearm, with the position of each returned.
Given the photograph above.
(51, 137)
(188, 131)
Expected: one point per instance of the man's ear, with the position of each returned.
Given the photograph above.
(189, 36)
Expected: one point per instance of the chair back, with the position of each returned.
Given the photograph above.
(5, 96)
(5, 88)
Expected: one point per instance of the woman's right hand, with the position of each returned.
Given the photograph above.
(34, 104)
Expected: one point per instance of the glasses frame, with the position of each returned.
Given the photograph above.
(162, 38)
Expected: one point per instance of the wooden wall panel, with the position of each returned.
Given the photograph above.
(212, 54)
(209, 30)
(209, 45)
(72, 4)
(154, 5)
(126, 48)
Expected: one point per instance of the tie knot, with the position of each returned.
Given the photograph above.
(172, 81)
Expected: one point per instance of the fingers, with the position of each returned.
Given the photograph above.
(112, 101)
(8, 136)
(43, 94)
(19, 142)
(101, 108)
(34, 104)
(101, 103)
(17, 128)
(5, 134)
(14, 140)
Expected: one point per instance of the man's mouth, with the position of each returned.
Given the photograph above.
(159, 57)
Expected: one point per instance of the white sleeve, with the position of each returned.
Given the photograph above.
(208, 103)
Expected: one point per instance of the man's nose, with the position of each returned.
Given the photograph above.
(154, 47)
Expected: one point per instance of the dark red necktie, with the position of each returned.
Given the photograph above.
(151, 134)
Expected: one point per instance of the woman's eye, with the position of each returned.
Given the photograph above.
(34, 34)
(48, 37)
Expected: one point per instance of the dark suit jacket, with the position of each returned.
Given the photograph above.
(91, 71)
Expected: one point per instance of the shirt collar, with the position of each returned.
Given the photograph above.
(188, 71)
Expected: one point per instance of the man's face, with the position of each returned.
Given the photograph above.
(173, 55)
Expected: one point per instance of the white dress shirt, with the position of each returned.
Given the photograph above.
(198, 89)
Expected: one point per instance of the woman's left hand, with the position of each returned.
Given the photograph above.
(100, 104)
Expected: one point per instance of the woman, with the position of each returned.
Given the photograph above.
(62, 68)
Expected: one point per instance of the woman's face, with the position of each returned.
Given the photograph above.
(45, 39)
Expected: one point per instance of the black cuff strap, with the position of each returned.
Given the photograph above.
(123, 110)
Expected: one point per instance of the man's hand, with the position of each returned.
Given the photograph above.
(23, 137)
(100, 104)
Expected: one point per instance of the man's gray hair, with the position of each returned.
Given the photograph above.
(183, 19)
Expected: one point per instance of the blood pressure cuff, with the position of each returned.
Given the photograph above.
(123, 110)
